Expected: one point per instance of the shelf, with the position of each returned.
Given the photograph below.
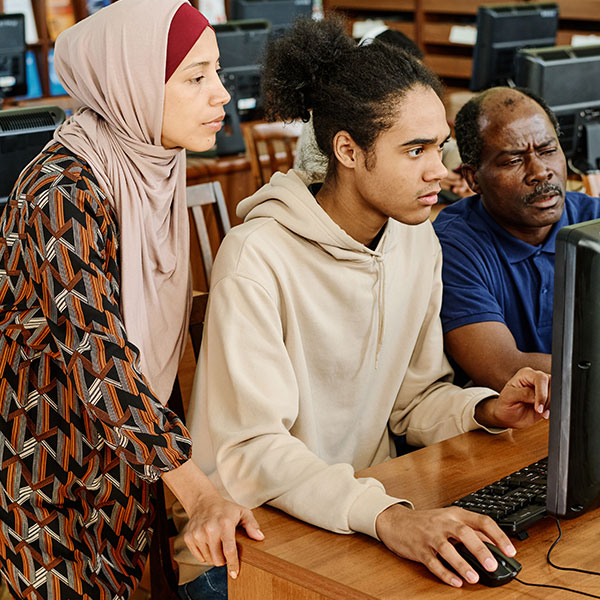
(455, 67)
(439, 33)
(371, 5)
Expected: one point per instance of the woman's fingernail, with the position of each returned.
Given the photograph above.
(260, 533)
(233, 574)
(456, 582)
(540, 408)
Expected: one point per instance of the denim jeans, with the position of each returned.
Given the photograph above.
(211, 585)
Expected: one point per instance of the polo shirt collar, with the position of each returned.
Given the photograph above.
(515, 249)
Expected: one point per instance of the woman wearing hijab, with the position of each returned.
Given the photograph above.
(94, 293)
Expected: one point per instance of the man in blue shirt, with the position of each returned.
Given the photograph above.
(498, 246)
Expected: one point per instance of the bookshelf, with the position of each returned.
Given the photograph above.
(396, 14)
(444, 29)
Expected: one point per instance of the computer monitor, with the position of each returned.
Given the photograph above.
(280, 13)
(241, 46)
(568, 79)
(23, 133)
(501, 31)
(13, 79)
(574, 443)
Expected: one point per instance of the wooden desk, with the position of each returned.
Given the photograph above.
(300, 562)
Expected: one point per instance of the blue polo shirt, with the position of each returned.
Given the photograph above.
(490, 275)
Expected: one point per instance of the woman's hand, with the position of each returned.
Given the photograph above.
(210, 532)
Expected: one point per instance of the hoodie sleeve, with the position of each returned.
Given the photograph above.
(251, 402)
(427, 385)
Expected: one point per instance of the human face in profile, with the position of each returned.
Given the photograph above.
(194, 98)
(523, 171)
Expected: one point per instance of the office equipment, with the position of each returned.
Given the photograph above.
(299, 561)
(507, 569)
(587, 149)
(23, 133)
(515, 501)
(24, 7)
(574, 443)
(279, 13)
(569, 483)
(501, 31)
(241, 44)
(568, 79)
(13, 78)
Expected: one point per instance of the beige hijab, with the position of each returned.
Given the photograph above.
(113, 63)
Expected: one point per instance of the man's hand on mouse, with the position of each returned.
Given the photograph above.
(421, 535)
(524, 400)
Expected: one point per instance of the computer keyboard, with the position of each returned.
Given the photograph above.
(515, 501)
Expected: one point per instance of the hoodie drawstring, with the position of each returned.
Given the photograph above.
(380, 306)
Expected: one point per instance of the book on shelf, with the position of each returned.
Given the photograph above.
(56, 88)
(34, 85)
(213, 10)
(24, 7)
(94, 6)
(60, 15)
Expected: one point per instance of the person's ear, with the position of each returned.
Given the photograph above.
(469, 174)
(345, 149)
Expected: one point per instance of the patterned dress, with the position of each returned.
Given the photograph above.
(81, 434)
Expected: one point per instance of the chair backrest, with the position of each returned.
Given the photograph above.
(591, 182)
(210, 227)
(271, 147)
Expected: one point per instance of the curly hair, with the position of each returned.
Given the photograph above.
(468, 130)
(317, 67)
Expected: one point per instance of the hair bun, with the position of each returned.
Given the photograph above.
(297, 62)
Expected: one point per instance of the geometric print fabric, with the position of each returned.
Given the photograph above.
(81, 434)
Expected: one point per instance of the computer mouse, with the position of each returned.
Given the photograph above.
(506, 571)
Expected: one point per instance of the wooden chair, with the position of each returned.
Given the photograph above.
(210, 222)
(591, 182)
(270, 147)
(163, 577)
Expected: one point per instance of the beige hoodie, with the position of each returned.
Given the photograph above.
(314, 348)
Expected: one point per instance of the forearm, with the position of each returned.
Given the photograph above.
(496, 373)
(488, 354)
(189, 484)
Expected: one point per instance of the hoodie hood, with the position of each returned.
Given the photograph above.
(287, 199)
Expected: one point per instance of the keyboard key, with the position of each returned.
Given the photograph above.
(515, 501)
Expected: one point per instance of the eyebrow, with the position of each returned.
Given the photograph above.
(547, 142)
(204, 63)
(424, 141)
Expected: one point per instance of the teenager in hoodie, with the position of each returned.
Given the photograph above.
(323, 334)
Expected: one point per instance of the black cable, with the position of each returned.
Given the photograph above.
(549, 561)
(554, 565)
(556, 587)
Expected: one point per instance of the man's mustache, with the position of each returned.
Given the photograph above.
(541, 190)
